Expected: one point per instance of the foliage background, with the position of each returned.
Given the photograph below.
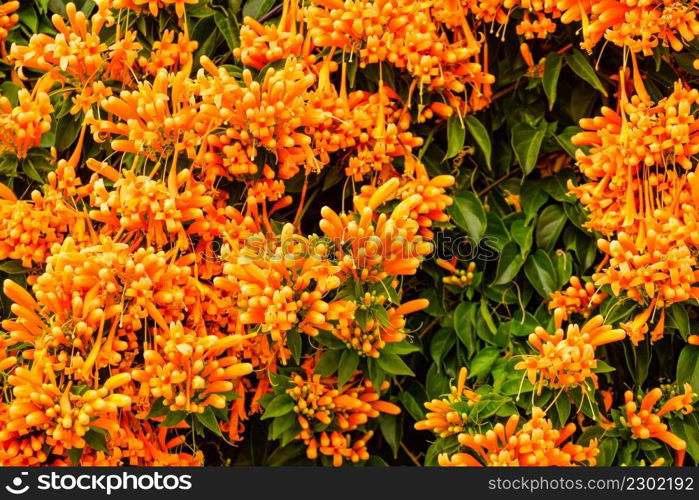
(519, 145)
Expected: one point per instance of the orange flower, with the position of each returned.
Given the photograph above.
(190, 372)
(567, 359)
(22, 126)
(8, 18)
(63, 415)
(641, 26)
(169, 55)
(644, 205)
(537, 443)
(443, 419)
(576, 299)
(646, 424)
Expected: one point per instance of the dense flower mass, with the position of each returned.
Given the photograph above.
(567, 358)
(301, 229)
(537, 443)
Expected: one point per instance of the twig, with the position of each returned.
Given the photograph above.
(504, 91)
(410, 454)
(565, 49)
(276, 10)
(499, 181)
(427, 328)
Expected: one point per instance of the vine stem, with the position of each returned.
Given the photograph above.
(273, 12)
(498, 181)
(410, 454)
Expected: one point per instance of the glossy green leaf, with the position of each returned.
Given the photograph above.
(468, 213)
(456, 134)
(509, 264)
(541, 273)
(393, 364)
(280, 405)
(347, 366)
(480, 135)
(526, 142)
(552, 70)
(549, 226)
(228, 28)
(582, 67)
(482, 361)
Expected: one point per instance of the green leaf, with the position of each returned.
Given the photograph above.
(347, 366)
(541, 274)
(392, 364)
(456, 133)
(603, 367)
(10, 90)
(534, 198)
(257, 8)
(30, 171)
(441, 344)
(487, 317)
(376, 374)
(526, 143)
(13, 267)
(173, 418)
(523, 323)
(327, 365)
(411, 405)
(607, 452)
(392, 430)
(678, 318)
(329, 340)
(403, 347)
(523, 236)
(581, 66)
(691, 435)
(481, 363)
(280, 405)
(157, 409)
(480, 134)
(563, 409)
(282, 424)
(468, 213)
(564, 139)
(441, 445)
(74, 455)
(552, 70)
(688, 366)
(509, 264)
(549, 226)
(96, 440)
(563, 265)
(293, 342)
(228, 29)
(208, 420)
(464, 318)
(67, 131)
(28, 17)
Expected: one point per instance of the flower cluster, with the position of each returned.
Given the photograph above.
(644, 423)
(536, 443)
(444, 417)
(578, 298)
(641, 196)
(567, 359)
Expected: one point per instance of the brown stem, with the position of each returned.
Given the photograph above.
(410, 454)
(427, 328)
(499, 181)
(276, 10)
